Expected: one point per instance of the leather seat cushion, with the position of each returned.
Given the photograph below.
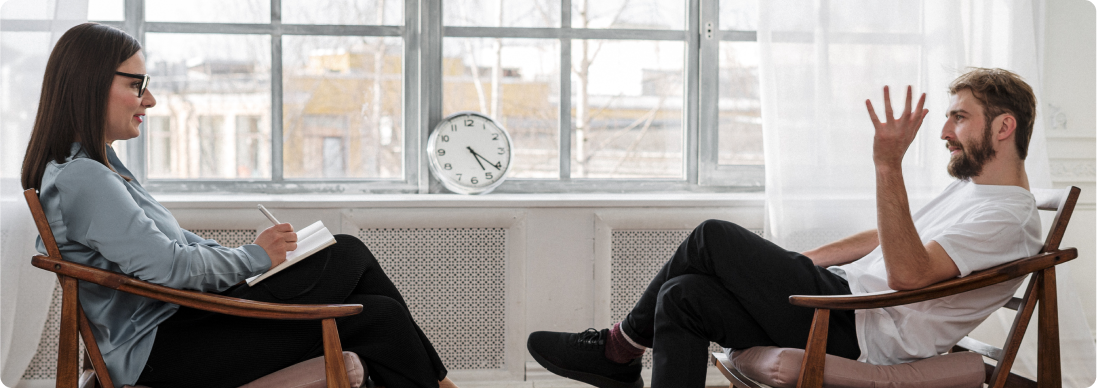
(780, 367)
(308, 374)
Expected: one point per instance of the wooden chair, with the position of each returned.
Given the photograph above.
(1041, 288)
(73, 320)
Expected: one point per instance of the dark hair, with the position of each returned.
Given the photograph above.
(75, 90)
(1002, 91)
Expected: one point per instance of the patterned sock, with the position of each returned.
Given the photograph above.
(619, 348)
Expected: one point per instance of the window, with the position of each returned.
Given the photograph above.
(217, 88)
(340, 95)
(347, 88)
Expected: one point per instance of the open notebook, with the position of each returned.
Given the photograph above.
(310, 240)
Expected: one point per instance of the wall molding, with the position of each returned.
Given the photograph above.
(1053, 135)
(1073, 170)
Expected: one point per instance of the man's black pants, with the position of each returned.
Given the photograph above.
(728, 285)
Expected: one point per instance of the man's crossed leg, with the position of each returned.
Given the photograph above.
(724, 284)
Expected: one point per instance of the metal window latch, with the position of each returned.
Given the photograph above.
(708, 30)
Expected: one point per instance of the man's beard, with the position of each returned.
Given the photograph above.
(968, 163)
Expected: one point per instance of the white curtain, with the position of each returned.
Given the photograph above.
(31, 27)
(820, 61)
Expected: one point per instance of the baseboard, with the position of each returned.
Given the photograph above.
(35, 384)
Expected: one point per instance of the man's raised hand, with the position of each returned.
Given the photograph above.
(894, 135)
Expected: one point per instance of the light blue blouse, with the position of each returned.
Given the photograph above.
(101, 220)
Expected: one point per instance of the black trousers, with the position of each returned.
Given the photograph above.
(727, 285)
(194, 348)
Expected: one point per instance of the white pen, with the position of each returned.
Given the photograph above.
(269, 216)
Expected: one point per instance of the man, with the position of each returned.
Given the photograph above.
(725, 284)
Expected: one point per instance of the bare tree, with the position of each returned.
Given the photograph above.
(477, 84)
(372, 165)
(582, 71)
(496, 71)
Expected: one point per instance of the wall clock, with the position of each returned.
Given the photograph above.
(469, 153)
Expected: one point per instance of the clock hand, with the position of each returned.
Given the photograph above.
(477, 156)
(489, 162)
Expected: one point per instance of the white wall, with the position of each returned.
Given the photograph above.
(1068, 104)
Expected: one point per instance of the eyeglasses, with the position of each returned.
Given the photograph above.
(145, 78)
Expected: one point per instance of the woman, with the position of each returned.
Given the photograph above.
(94, 93)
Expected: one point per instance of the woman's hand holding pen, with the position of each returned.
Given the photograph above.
(277, 240)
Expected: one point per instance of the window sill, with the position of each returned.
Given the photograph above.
(321, 201)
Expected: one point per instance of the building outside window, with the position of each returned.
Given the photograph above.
(333, 157)
(251, 142)
(160, 146)
(210, 149)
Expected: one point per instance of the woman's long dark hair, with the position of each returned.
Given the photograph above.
(75, 90)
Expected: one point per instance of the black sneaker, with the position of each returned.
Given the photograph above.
(582, 357)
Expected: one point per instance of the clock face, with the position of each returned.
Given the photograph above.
(469, 153)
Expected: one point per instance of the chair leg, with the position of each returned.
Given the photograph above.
(811, 370)
(1048, 367)
(1013, 340)
(68, 347)
(333, 356)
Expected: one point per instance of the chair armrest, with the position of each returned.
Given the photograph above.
(987, 277)
(195, 299)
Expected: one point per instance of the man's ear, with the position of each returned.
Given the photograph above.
(1004, 126)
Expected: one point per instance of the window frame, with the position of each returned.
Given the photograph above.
(710, 171)
(423, 32)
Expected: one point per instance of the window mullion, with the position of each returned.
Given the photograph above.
(412, 109)
(276, 156)
(692, 84)
(430, 83)
(709, 95)
(565, 92)
(134, 24)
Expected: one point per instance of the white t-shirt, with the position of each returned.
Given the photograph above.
(979, 226)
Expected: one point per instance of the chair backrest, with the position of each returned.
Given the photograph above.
(66, 374)
(74, 323)
(1062, 202)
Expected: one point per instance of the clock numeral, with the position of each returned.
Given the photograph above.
(445, 138)
(474, 181)
(495, 136)
(468, 122)
(488, 175)
(458, 177)
(442, 152)
(498, 164)
(502, 151)
(448, 166)
(453, 128)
